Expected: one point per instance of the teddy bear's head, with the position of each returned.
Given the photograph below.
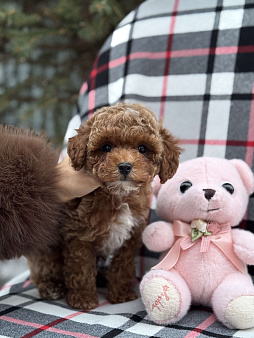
(208, 188)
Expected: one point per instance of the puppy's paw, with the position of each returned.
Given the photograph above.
(51, 290)
(121, 297)
(82, 301)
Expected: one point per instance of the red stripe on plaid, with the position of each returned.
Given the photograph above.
(234, 143)
(186, 53)
(250, 148)
(196, 332)
(27, 282)
(91, 94)
(111, 64)
(43, 328)
(48, 327)
(83, 88)
(167, 61)
(91, 102)
(212, 51)
(166, 55)
(7, 286)
(246, 49)
(118, 62)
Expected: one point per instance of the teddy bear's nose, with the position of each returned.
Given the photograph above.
(209, 193)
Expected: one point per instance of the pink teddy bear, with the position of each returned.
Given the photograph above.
(206, 263)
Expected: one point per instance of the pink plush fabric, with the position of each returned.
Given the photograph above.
(217, 190)
(243, 245)
(232, 287)
(153, 239)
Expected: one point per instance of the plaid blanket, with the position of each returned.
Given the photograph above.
(24, 314)
(191, 62)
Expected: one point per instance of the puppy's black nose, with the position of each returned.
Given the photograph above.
(209, 193)
(125, 168)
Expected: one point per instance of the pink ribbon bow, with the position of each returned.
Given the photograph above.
(219, 234)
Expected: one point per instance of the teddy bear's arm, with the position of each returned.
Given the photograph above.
(243, 242)
(158, 236)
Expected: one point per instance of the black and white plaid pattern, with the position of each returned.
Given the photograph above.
(24, 314)
(192, 63)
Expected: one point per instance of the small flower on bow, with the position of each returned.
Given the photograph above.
(199, 229)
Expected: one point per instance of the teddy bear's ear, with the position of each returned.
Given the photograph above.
(245, 173)
(170, 156)
(77, 147)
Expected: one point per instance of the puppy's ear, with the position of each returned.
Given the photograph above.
(170, 156)
(77, 147)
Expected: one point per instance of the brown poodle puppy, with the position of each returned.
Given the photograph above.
(29, 205)
(124, 146)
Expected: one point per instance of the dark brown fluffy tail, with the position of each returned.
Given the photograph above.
(29, 208)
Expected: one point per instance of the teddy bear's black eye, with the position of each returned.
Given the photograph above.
(185, 186)
(228, 187)
(142, 149)
(106, 148)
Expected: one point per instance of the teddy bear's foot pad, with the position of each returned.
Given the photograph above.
(162, 299)
(240, 312)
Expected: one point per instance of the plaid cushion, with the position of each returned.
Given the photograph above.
(191, 62)
(24, 314)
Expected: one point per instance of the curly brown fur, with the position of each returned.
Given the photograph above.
(29, 208)
(110, 220)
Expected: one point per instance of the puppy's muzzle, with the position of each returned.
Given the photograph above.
(125, 168)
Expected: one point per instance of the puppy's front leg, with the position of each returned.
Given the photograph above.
(122, 271)
(80, 274)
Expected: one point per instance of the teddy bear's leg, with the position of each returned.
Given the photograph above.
(233, 301)
(165, 295)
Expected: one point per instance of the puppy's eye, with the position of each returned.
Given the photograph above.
(228, 186)
(106, 148)
(142, 149)
(185, 186)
